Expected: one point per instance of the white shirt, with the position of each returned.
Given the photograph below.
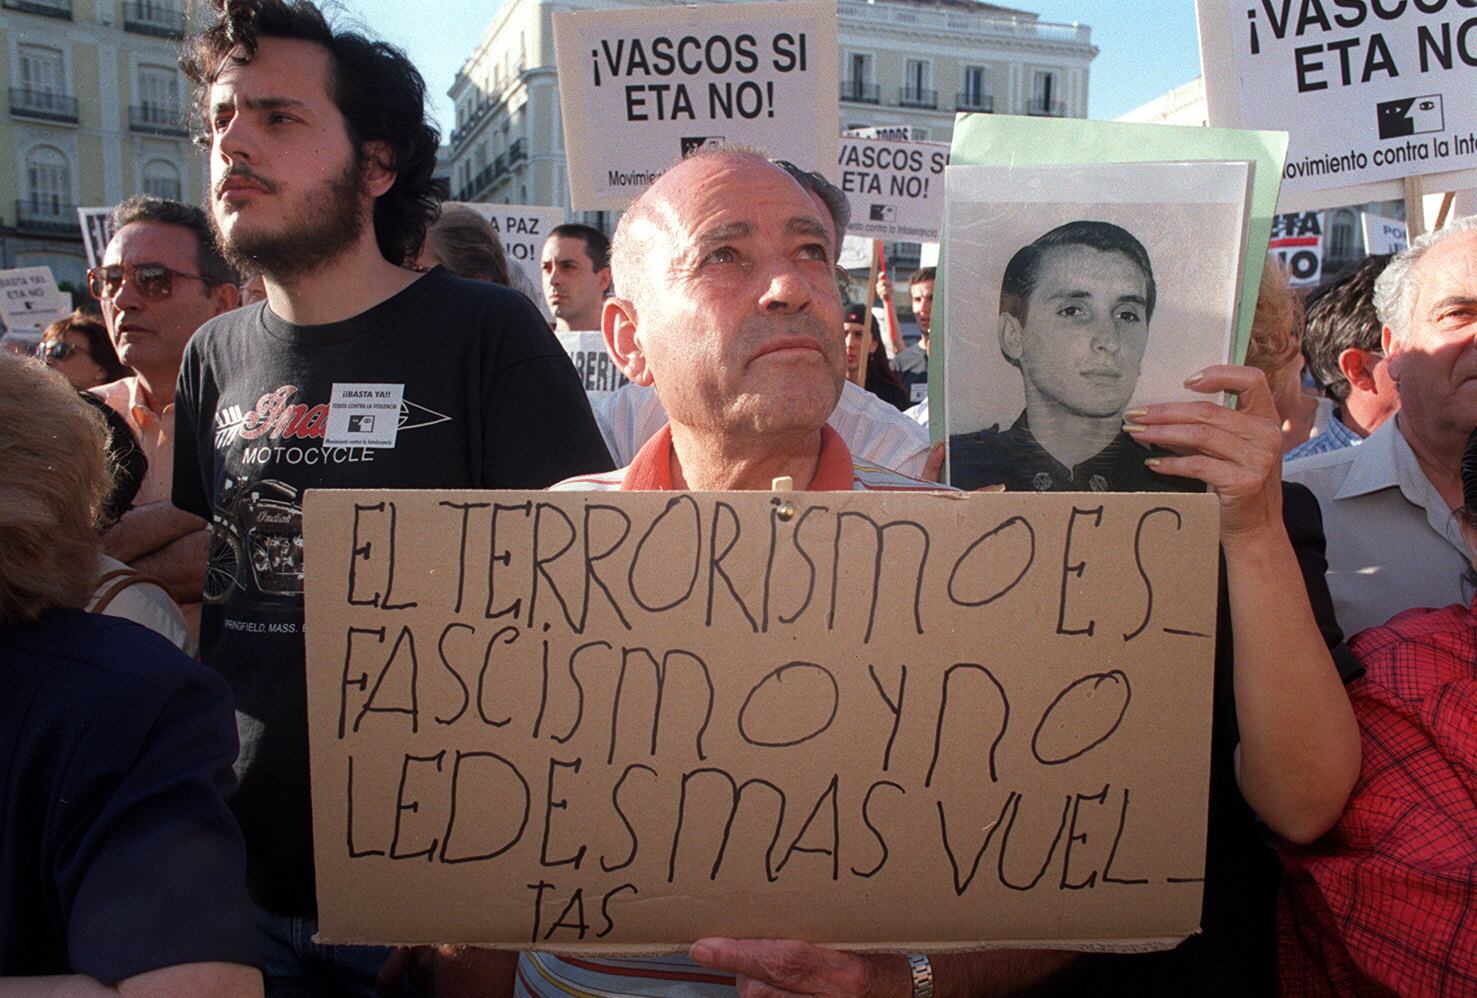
(1393, 543)
(144, 603)
(874, 431)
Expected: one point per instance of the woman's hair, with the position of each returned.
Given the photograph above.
(53, 478)
(466, 244)
(99, 347)
(1276, 329)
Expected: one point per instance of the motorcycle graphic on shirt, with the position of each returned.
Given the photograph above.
(256, 530)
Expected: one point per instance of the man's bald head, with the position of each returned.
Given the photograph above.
(652, 219)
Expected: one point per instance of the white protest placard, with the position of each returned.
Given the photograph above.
(522, 229)
(896, 189)
(856, 253)
(1383, 235)
(1369, 92)
(598, 374)
(30, 299)
(896, 133)
(97, 231)
(1297, 243)
(640, 89)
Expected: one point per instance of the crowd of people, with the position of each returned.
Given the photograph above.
(155, 826)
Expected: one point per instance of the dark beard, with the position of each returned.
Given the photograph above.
(330, 225)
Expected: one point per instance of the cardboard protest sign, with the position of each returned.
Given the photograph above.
(1370, 93)
(640, 88)
(621, 721)
(1382, 235)
(1297, 243)
(598, 373)
(896, 189)
(30, 299)
(987, 139)
(97, 232)
(1071, 298)
(522, 229)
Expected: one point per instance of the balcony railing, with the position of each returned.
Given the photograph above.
(917, 97)
(1046, 108)
(151, 17)
(518, 150)
(46, 8)
(47, 105)
(860, 91)
(46, 214)
(157, 119)
(976, 102)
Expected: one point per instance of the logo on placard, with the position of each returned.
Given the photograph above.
(883, 213)
(1411, 116)
(692, 143)
(361, 424)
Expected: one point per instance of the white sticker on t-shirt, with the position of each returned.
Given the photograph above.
(363, 415)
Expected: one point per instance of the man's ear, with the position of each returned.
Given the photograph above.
(1010, 337)
(603, 275)
(1357, 369)
(226, 296)
(379, 176)
(1395, 359)
(618, 325)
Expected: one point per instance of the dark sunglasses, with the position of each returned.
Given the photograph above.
(153, 280)
(55, 350)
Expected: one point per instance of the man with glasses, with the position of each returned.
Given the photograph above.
(161, 278)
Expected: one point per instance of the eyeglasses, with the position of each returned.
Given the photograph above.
(55, 350)
(154, 281)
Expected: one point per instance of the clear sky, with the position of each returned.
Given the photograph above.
(1146, 46)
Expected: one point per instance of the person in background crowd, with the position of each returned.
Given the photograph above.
(253, 290)
(1393, 542)
(1341, 344)
(1386, 902)
(881, 380)
(912, 362)
(120, 865)
(78, 348)
(872, 429)
(160, 279)
(466, 244)
(321, 164)
(1276, 348)
(576, 269)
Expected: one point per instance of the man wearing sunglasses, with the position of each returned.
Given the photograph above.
(161, 278)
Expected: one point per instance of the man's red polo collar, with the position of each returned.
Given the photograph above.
(651, 469)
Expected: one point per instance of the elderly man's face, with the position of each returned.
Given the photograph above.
(1086, 328)
(738, 314)
(1435, 368)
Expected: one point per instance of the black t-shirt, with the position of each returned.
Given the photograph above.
(487, 399)
(118, 854)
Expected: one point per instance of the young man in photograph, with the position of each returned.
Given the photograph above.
(1075, 307)
(356, 372)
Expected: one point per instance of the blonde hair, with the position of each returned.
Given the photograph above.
(54, 475)
(1277, 328)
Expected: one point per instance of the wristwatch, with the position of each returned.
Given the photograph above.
(922, 972)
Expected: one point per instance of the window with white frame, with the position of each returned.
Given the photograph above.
(918, 79)
(976, 93)
(1045, 91)
(158, 94)
(162, 179)
(48, 183)
(41, 75)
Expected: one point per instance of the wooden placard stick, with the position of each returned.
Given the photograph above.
(1447, 200)
(860, 377)
(1415, 209)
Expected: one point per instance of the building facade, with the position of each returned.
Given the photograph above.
(94, 113)
(903, 62)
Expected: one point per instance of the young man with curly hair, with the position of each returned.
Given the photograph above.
(320, 182)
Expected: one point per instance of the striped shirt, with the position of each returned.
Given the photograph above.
(544, 975)
(1334, 436)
